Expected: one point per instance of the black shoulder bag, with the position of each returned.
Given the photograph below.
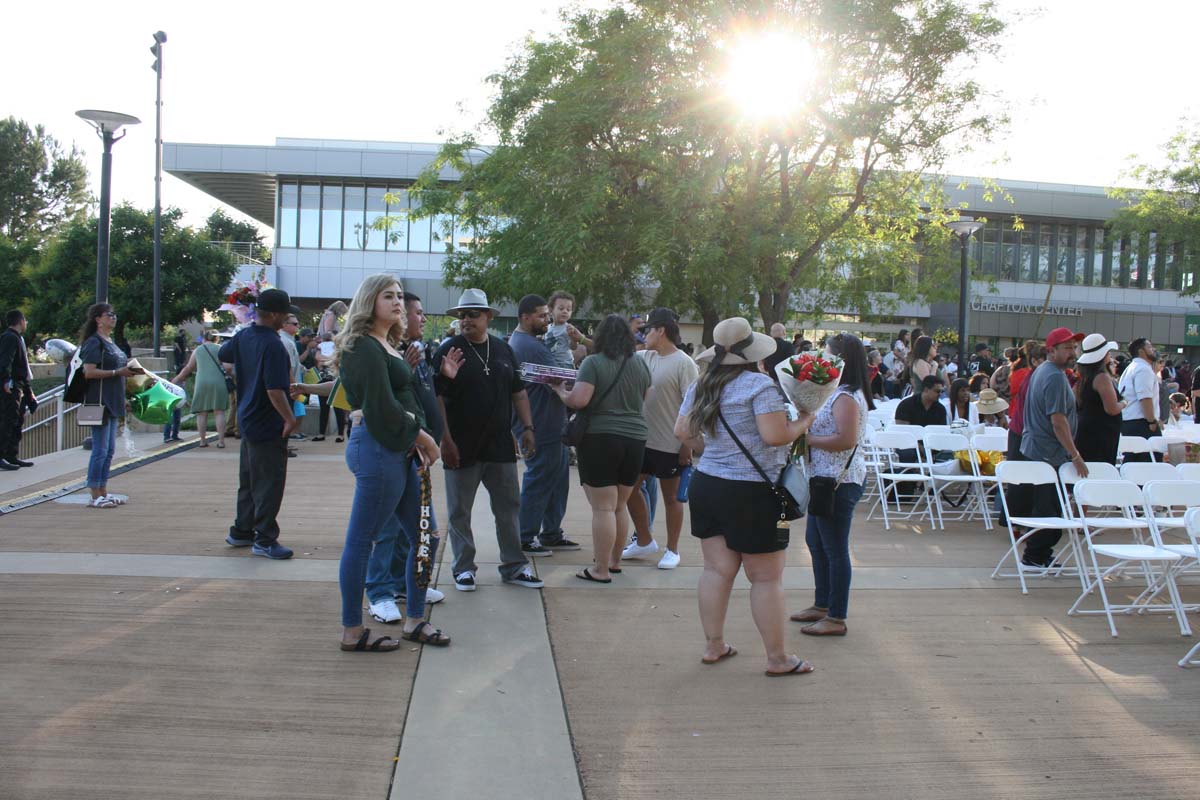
(789, 506)
(230, 383)
(578, 423)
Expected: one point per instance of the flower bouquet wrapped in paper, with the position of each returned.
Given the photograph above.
(809, 379)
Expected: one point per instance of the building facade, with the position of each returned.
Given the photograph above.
(326, 200)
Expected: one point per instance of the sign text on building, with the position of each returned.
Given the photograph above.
(1009, 307)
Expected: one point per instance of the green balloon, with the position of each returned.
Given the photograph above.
(154, 405)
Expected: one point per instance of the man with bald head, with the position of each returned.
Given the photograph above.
(783, 349)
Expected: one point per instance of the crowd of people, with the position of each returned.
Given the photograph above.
(641, 415)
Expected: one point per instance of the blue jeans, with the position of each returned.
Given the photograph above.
(544, 493)
(171, 429)
(391, 569)
(104, 444)
(381, 483)
(828, 540)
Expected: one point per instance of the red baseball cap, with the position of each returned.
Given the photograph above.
(1060, 335)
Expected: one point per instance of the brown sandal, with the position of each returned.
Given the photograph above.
(417, 634)
(810, 614)
(825, 627)
(383, 644)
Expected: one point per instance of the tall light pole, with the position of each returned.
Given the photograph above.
(160, 38)
(106, 123)
(965, 227)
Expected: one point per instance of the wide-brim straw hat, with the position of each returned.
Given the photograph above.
(473, 299)
(990, 403)
(735, 342)
(1095, 345)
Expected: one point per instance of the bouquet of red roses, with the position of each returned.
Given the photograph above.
(809, 379)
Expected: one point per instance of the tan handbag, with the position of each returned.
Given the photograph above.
(90, 416)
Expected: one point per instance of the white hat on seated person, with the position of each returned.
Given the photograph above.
(473, 299)
(735, 342)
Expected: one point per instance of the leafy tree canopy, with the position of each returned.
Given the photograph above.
(625, 167)
(195, 274)
(221, 227)
(41, 184)
(1169, 206)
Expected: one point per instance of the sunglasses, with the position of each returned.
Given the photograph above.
(112, 314)
(470, 314)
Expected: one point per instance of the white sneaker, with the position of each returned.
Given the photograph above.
(385, 611)
(635, 550)
(670, 560)
(119, 499)
(431, 596)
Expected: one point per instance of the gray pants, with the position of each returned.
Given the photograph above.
(262, 474)
(504, 491)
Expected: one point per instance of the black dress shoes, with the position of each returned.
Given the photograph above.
(18, 462)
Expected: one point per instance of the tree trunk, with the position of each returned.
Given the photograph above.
(1037, 330)
(772, 307)
(710, 317)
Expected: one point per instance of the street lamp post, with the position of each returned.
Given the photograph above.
(964, 227)
(106, 123)
(159, 39)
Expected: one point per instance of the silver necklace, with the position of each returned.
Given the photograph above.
(486, 370)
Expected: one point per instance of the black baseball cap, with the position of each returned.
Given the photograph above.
(979, 348)
(276, 301)
(661, 316)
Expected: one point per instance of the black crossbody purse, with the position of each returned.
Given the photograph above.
(577, 425)
(790, 507)
(822, 490)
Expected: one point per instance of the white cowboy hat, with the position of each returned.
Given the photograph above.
(1094, 347)
(472, 298)
(737, 343)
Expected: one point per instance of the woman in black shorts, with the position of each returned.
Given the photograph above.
(735, 512)
(610, 456)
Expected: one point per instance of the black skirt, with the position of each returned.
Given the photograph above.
(746, 513)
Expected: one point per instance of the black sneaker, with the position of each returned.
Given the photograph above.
(19, 462)
(535, 549)
(562, 544)
(1045, 562)
(526, 579)
(465, 581)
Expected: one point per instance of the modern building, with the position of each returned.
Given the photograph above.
(323, 199)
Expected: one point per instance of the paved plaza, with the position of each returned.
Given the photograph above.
(142, 658)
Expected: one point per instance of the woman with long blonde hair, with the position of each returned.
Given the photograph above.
(383, 453)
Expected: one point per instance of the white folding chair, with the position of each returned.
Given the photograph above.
(939, 429)
(915, 430)
(992, 440)
(1192, 522)
(1034, 473)
(1126, 497)
(974, 500)
(1167, 504)
(892, 474)
(1141, 472)
(1136, 445)
(1188, 472)
(1068, 476)
(1158, 448)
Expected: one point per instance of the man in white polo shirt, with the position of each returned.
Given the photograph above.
(1138, 387)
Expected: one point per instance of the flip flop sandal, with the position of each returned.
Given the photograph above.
(203, 444)
(730, 652)
(803, 668)
(383, 644)
(614, 570)
(417, 634)
(587, 576)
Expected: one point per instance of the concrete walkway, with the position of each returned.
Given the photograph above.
(143, 658)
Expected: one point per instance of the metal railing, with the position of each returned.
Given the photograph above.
(52, 427)
(244, 252)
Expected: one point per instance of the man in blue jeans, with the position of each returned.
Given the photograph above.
(547, 473)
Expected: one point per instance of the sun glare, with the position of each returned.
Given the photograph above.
(767, 73)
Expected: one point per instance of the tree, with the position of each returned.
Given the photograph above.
(1169, 206)
(221, 227)
(195, 274)
(626, 168)
(13, 286)
(41, 184)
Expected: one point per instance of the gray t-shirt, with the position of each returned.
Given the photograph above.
(110, 392)
(743, 398)
(1049, 393)
(559, 344)
(670, 377)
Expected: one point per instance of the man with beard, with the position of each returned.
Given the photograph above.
(547, 472)
(477, 447)
(1139, 387)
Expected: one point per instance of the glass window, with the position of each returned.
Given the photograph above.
(352, 221)
(289, 208)
(1154, 263)
(1101, 257)
(1083, 261)
(443, 233)
(1122, 254)
(1028, 253)
(397, 212)
(376, 211)
(1064, 261)
(331, 217)
(1008, 255)
(310, 215)
(419, 230)
(1170, 258)
(989, 244)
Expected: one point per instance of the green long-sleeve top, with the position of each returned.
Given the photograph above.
(383, 387)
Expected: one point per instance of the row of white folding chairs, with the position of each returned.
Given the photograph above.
(919, 476)
(1192, 523)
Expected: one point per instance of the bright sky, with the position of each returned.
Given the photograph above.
(1088, 82)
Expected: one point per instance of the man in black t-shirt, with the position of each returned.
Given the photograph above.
(982, 360)
(924, 408)
(477, 447)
